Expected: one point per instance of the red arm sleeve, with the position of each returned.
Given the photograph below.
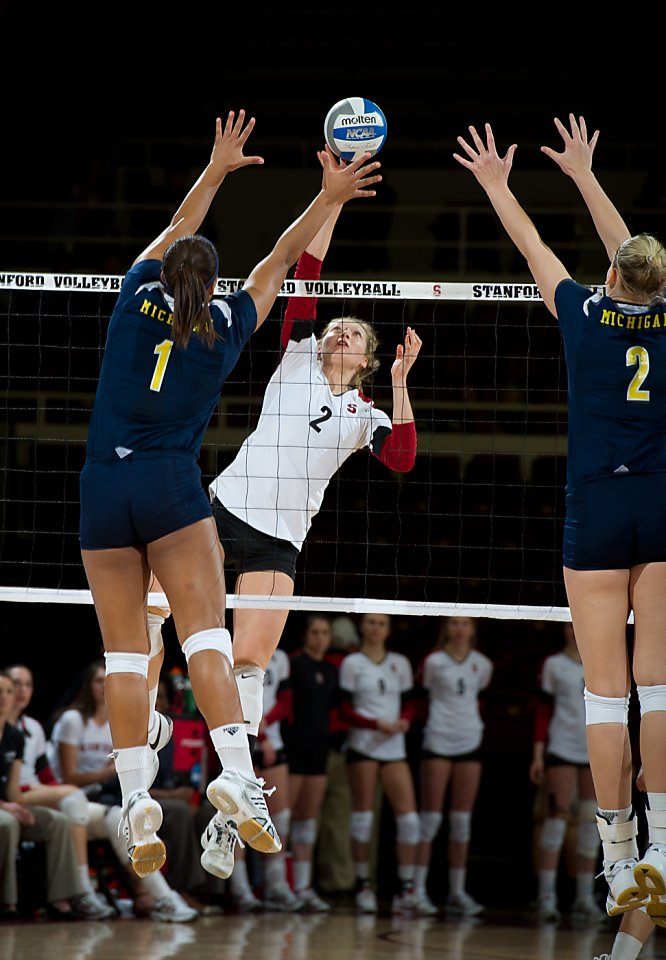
(355, 719)
(542, 717)
(398, 448)
(302, 309)
(282, 710)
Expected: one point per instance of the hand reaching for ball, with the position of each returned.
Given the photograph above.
(344, 181)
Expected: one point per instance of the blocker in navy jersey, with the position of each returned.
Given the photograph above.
(154, 401)
(616, 470)
(152, 395)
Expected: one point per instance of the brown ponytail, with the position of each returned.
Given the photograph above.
(189, 267)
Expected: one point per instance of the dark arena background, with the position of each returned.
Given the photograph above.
(93, 168)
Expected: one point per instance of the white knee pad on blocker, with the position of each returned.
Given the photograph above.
(155, 624)
(430, 821)
(250, 683)
(360, 825)
(552, 834)
(605, 709)
(217, 639)
(304, 831)
(75, 808)
(587, 839)
(460, 826)
(127, 663)
(408, 828)
(652, 698)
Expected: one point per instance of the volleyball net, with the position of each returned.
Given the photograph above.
(475, 528)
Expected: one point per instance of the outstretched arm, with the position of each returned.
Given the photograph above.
(397, 447)
(340, 184)
(301, 312)
(227, 155)
(492, 172)
(576, 161)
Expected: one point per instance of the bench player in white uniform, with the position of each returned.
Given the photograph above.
(376, 689)
(314, 416)
(453, 675)
(561, 762)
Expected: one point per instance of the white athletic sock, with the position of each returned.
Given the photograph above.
(132, 769)
(155, 884)
(657, 801)
(302, 873)
(275, 870)
(584, 886)
(362, 871)
(239, 880)
(232, 747)
(406, 873)
(84, 873)
(547, 883)
(616, 816)
(456, 882)
(152, 716)
(625, 947)
(420, 879)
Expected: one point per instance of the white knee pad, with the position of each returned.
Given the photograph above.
(408, 828)
(217, 639)
(304, 831)
(250, 683)
(127, 663)
(552, 834)
(155, 624)
(605, 709)
(75, 808)
(587, 833)
(360, 825)
(430, 821)
(460, 825)
(652, 698)
(282, 821)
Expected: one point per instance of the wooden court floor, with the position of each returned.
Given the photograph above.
(338, 936)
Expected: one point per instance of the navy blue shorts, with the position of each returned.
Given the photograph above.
(139, 499)
(616, 523)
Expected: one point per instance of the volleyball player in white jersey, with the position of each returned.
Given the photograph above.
(314, 416)
(375, 690)
(452, 675)
(561, 761)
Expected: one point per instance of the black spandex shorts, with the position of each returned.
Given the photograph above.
(353, 756)
(280, 759)
(247, 550)
(474, 756)
(308, 763)
(616, 523)
(552, 760)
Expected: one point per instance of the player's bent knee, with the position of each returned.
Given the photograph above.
(408, 828)
(605, 709)
(250, 683)
(431, 821)
(304, 831)
(155, 624)
(75, 807)
(217, 639)
(652, 698)
(460, 826)
(126, 663)
(552, 834)
(360, 826)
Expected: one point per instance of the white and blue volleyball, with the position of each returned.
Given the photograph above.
(355, 126)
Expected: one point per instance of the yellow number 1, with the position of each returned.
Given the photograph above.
(163, 351)
(640, 356)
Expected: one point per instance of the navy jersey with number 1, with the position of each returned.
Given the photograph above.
(141, 480)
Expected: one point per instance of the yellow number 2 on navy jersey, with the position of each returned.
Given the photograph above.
(163, 351)
(640, 356)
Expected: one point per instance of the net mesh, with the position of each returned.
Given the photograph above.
(477, 523)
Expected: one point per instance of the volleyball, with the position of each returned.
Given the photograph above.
(355, 126)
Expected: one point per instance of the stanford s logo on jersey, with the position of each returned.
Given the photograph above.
(351, 408)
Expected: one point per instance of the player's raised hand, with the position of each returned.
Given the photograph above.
(576, 158)
(229, 143)
(405, 355)
(344, 181)
(483, 159)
